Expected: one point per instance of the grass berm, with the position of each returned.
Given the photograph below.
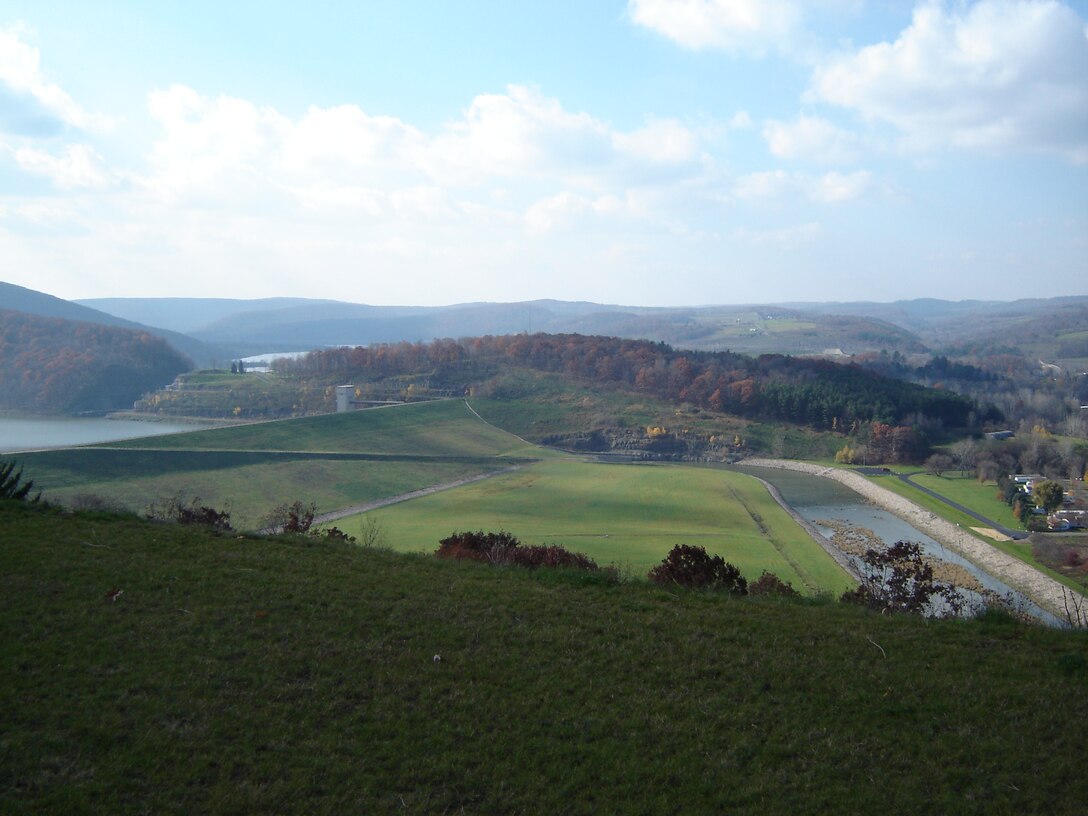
(151, 668)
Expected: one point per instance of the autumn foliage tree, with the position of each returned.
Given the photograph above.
(1048, 495)
(50, 365)
(811, 392)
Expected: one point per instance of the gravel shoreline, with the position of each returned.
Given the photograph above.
(1043, 590)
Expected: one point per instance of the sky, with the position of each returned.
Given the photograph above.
(650, 152)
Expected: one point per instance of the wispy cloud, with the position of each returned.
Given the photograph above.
(34, 98)
(829, 188)
(749, 26)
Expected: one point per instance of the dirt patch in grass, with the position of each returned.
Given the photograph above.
(1066, 553)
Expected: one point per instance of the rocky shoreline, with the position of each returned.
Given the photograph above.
(1043, 590)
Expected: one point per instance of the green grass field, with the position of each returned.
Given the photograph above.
(628, 515)
(334, 460)
(250, 484)
(982, 498)
(159, 669)
(442, 428)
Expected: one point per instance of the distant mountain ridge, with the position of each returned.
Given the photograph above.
(222, 328)
(291, 324)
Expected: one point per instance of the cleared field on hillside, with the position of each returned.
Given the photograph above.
(249, 484)
(253, 468)
(441, 428)
(629, 515)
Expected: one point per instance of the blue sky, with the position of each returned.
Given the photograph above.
(651, 152)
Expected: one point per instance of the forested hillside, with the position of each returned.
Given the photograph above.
(812, 392)
(52, 365)
(30, 301)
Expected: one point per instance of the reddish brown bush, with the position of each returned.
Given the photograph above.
(770, 584)
(504, 549)
(900, 579)
(547, 555)
(692, 567)
(477, 546)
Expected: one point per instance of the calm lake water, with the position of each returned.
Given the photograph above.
(22, 433)
(817, 499)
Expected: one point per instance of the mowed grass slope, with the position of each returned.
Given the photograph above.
(629, 515)
(261, 676)
(440, 428)
(334, 461)
(248, 484)
(968, 491)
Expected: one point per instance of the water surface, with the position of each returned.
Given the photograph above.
(24, 433)
(817, 499)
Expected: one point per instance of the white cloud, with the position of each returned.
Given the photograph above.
(810, 137)
(741, 120)
(731, 25)
(346, 138)
(20, 71)
(998, 75)
(223, 146)
(78, 166)
(226, 148)
(793, 234)
(664, 141)
(830, 188)
(520, 132)
(835, 188)
(564, 209)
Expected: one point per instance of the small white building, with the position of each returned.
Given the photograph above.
(344, 395)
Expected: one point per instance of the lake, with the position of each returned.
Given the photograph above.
(23, 433)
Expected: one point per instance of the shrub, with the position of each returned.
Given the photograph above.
(192, 513)
(690, 566)
(545, 555)
(770, 584)
(899, 579)
(477, 546)
(334, 534)
(291, 518)
(372, 533)
(505, 550)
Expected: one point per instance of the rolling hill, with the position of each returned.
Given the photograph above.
(55, 365)
(278, 324)
(29, 301)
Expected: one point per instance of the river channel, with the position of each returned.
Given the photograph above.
(836, 509)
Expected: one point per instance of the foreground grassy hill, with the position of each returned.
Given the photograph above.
(154, 668)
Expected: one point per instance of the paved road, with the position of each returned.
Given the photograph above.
(1016, 534)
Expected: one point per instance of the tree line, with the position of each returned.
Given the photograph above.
(812, 392)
